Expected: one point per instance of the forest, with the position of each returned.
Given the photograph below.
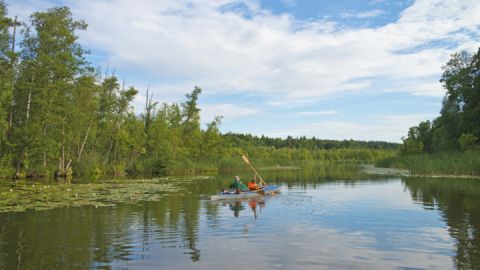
(60, 116)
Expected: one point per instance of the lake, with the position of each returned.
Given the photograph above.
(325, 218)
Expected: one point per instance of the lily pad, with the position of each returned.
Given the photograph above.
(23, 196)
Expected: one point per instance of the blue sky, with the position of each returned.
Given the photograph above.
(357, 69)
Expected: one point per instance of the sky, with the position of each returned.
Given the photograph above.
(352, 69)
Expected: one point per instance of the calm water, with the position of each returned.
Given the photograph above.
(324, 219)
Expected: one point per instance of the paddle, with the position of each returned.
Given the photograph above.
(256, 173)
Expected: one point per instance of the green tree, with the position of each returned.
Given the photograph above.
(5, 74)
(461, 106)
(412, 144)
(51, 59)
(159, 141)
(467, 141)
(460, 113)
(83, 114)
(212, 145)
(5, 89)
(191, 122)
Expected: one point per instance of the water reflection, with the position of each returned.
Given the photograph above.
(324, 218)
(458, 200)
(90, 237)
(236, 206)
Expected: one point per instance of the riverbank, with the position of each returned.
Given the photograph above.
(261, 157)
(462, 165)
(372, 170)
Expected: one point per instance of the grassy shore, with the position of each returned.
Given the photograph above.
(467, 163)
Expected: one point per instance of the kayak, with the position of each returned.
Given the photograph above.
(248, 194)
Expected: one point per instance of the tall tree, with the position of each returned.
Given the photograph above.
(51, 60)
(191, 121)
(5, 74)
(459, 122)
(212, 144)
(8, 64)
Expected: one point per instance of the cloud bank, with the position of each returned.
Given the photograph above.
(235, 45)
(230, 45)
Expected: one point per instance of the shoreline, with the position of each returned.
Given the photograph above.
(370, 169)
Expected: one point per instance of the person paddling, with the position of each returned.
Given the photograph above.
(238, 185)
(252, 185)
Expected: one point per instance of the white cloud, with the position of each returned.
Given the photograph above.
(201, 43)
(228, 111)
(23, 9)
(289, 3)
(389, 128)
(318, 113)
(428, 89)
(363, 15)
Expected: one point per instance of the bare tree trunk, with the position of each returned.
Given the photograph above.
(12, 64)
(117, 118)
(25, 148)
(59, 168)
(61, 162)
(29, 101)
(84, 142)
(132, 158)
(17, 169)
(109, 150)
(45, 153)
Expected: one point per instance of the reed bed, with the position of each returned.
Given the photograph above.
(466, 163)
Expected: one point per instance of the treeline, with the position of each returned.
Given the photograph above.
(242, 140)
(59, 116)
(301, 151)
(449, 145)
(458, 126)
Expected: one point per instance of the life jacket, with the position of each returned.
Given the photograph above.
(252, 186)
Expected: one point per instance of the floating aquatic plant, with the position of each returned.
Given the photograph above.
(23, 196)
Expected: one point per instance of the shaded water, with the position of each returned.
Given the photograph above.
(324, 218)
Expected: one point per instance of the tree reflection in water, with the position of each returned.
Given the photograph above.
(167, 232)
(88, 237)
(458, 200)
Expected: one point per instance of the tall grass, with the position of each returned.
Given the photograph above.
(467, 163)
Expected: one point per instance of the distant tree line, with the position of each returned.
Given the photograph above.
(241, 140)
(458, 126)
(59, 116)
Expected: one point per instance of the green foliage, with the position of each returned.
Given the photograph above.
(412, 146)
(467, 163)
(240, 140)
(456, 129)
(419, 139)
(467, 141)
(458, 125)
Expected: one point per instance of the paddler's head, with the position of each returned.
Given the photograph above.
(237, 178)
